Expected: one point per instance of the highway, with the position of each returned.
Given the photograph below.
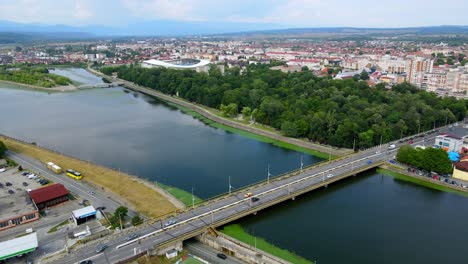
(208, 253)
(230, 207)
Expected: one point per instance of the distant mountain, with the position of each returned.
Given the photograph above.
(148, 28)
(350, 30)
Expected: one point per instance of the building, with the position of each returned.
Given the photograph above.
(449, 142)
(460, 170)
(83, 215)
(49, 196)
(181, 64)
(18, 246)
(417, 68)
(16, 209)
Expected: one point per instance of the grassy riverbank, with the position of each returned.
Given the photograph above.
(421, 182)
(181, 195)
(142, 197)
(251, 135)
(236, 231)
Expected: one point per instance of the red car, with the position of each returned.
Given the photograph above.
(410, 142)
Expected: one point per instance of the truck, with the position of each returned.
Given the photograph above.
(53, 167)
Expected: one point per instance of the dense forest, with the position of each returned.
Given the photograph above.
(38, 76)
(299, 104)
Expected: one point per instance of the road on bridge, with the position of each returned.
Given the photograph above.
(231, 207)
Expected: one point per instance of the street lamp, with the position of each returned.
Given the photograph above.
(269, 174)
(120, 219)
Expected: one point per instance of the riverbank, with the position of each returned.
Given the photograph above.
(324, 150)
(236, 231)
(403, 175)
(63, 88)
(146, 198)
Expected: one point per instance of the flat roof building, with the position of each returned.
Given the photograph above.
(49, 196)
(82, 215)
(16, 209)
(18, 246)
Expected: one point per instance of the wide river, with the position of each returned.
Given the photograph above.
(368, 219)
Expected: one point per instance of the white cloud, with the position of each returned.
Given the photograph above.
(164, 9)
(82, 9)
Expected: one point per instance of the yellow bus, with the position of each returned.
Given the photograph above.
(74, 174)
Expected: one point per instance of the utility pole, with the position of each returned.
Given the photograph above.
(269, 174)
(380, 141)
(329, 154)
(230, 187)
(193, 200)
(120, 219)
(354, 144)
(302, 164)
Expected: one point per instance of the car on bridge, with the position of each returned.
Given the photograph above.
(255, 199)
(100, 248)
(170, 222)
(247, 195)
(330, 175)
(221, 256)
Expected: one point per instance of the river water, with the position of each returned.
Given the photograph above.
(367, 219)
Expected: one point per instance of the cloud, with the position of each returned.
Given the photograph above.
(163, 9)
(82, 9)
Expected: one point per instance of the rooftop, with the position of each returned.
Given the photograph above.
(83, 212)
(48, 193)
(16, 204)
(179, 64)
(18, 246)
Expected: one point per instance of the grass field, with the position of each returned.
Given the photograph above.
(414, 180)
(146, 200)
(181, 195)
(236, 231)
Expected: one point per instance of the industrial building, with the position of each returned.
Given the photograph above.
(181, 64)
(83, 215)
(18, 246)
(16, 209)
(49, 196)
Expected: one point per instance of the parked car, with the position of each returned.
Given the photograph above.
(11, 191)
(25, 184)
(221, 256)
(86, 262)
(8, 183)
(392, 161)
(100, 248)
(170, 222)
(2, 170)
(25, 173)
(369, 162)
(91, 192)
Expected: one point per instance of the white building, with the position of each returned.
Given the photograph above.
(449, 142)
(181, 64)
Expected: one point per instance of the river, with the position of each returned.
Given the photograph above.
(367, 219)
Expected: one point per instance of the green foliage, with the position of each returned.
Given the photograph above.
(118, 216)
(335, 112)
(137, 220)
(364, 75)
(246, 113)
(430, 159)
(3, 149)
(38, 76)
(229, 110)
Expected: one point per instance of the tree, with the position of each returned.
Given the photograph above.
(18, 49)
(137, 220)
(364, 75)
(229, 110)
(3, 149)
(118, 217)
(246, 113)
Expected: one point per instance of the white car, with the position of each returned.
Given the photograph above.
(2, 169)
(329, 176)
(32, 176)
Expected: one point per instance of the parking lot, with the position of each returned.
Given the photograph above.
(13, 180)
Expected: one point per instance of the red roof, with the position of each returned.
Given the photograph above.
(48, 193)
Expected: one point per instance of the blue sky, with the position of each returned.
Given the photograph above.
(288, 13)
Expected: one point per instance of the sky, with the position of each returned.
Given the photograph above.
(288, 13)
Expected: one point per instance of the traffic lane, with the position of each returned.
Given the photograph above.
(208, 253)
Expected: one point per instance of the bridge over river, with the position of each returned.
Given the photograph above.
(99, 85)
(226, 208)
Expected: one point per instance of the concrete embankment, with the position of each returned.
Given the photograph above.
(238, 249)
(173, 99)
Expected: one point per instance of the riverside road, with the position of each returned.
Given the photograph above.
(231, 207)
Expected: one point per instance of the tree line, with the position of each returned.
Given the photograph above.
(299, 104)
(429, 159)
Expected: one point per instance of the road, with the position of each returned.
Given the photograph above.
(213, 213)
(208, 253)
(227, 208)
(79, 188)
